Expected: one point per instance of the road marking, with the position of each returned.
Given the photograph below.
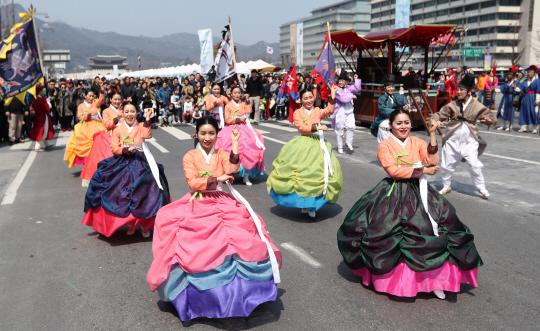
(63, 138)
(275, 140)
(279, 127)
(511, 158)
(26, 145)
(508, 135)
(11, 192)
(302, 254)
(157, 145)
(178, 134)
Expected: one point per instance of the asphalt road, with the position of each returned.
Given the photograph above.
(56, 274)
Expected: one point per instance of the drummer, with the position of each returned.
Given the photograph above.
(388, 102)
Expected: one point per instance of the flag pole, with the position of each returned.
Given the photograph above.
(32, 12)
(328, 28)
(232, 44)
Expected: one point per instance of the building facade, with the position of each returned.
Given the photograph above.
(106, 62)
(301, 40)
(506, 30)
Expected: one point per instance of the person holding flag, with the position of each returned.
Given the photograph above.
(343, 117)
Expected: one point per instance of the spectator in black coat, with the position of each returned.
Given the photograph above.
(127, 90)
(255, 90)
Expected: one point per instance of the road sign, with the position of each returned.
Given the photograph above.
(472, 52)
(467, 45)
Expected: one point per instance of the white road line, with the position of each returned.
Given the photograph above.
(302, 254)
(63, 138)
(509, 135)
(11, 192)
(275, 140)
(178, 134)
(279, 127)
(157, 145)
(26, 145)
(511, 158)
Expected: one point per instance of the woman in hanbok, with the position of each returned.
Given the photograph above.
(212, 254)
(215, 104)
(90, 122)
(403, 236)
(306, 174)
(101, 147)
(129, 188)
(251, 142)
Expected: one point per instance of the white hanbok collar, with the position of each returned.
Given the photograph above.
(129, 128)
(116, 110)
(529, 82)
(308, 111)
(87, 104)
(403, 144)
(236, 104)
(208, 156)
(467, 103)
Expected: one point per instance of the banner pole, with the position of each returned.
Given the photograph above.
(32, 12)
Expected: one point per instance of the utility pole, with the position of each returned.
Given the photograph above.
(139, 60)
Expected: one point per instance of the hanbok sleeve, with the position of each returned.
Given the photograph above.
(329, 110)
(357, 86)
(230, 162)
(443, 114)
(487, 113)
(229, 109)
(401, 100)
(428, 154)
(390, 165)
(110, 121)
(146, 130)
(116, 145)
(209, 103)
(193, 178)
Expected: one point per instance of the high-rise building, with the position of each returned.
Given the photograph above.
(504, 29)
(301, 40)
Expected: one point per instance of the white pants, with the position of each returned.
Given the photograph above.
(383, 134)
(505, 124)
(345, 121)
(42, 144)
(453, 152)
(529, 127)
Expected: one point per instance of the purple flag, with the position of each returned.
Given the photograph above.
(326, 66)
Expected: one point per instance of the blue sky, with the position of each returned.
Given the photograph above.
(252, 20)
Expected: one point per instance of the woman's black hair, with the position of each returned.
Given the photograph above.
(207, 120)
(112, 94)
(86, 91)
(127, 103)
(304, 92)
(236, 87)
(396, 112)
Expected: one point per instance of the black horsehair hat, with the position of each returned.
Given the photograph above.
(343, 75)
(467, 82)
(389, 80)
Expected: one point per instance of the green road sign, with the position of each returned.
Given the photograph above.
(472, 52)
(467, 45)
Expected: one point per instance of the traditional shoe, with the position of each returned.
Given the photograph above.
(246, 180)
(535, 132)
(130, 232)
(69, 129)
(522, 131)
(500, 129)
(349, 146)
(63, 130)
(304, 211)
(39, 150)
(484, 193)
(439, 294)
(145, 233)
(311, 213)
(340, 151)
(445, 191)
(85, 183)
(507, 130)
(49, 146)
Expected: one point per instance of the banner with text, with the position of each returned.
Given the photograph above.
(300, 44)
